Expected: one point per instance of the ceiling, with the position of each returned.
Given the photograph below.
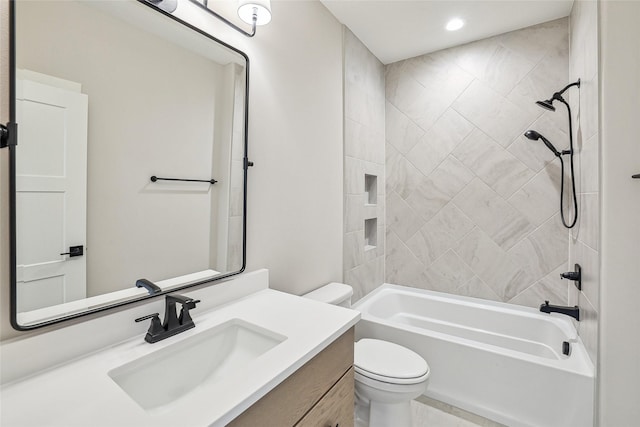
(398, 29)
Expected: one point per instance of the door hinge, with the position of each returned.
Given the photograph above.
(8, 135)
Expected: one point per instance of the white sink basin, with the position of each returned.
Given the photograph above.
(172, 372)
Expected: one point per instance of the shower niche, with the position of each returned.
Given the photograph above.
(371, 212)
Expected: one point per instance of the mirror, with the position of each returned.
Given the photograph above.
(130, 161)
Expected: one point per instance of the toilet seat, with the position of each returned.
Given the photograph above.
(388, 362)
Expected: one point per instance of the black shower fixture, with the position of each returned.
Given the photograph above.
(548, 103)
(534, 136)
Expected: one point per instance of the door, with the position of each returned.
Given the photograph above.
(51, 190)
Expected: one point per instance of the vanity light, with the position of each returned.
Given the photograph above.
(253, 12)
(454, 24)
(260, 10)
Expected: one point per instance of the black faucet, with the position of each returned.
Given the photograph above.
(173, 324)
(569, 311)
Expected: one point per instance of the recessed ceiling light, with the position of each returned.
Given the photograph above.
(455, 24)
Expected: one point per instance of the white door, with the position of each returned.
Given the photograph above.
(51, 190)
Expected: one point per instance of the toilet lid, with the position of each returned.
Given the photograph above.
(389, 362)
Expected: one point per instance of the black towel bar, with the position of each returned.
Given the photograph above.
(156, 178)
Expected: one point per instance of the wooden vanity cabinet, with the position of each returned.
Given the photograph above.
(318, 394)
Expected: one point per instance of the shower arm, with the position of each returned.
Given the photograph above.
(559, 93)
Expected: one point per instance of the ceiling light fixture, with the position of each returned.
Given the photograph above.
(454, 24)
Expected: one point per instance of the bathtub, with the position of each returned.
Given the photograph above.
(500, 361)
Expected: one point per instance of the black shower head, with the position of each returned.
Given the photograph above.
(534, 136)
(547, 105)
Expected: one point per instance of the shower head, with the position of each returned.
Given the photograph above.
(547, 105)
(534, 136)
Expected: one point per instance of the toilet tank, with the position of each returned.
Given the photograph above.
(333, 293)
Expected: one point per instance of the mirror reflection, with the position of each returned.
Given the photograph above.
(109, 94)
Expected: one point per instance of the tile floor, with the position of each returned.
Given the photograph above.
(431, 413)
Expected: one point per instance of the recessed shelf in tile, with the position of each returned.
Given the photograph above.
(370, 189)
(370, 233)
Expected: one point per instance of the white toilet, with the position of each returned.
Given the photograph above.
(387, 375)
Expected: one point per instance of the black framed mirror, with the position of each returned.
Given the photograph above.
(129, 168)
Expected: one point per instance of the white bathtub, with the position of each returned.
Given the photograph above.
(501, 361)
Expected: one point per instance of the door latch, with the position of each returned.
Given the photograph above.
(74, 251)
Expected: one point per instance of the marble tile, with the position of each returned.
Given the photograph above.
(492, 163)
(474, 57)
(546, 78)
(436, 69)
(440, 234)
(433, 280)
(589, 106)
(430, 243)
(539, 199)
(494, 215)
(401, 266)
(587, 166)
(551, 289)
(427, 412)
(401, 175)
(451, 220)
(353, 246)
(476, 288)
(535, 41)
(365, 107)
(354, 212)
(535, 154)
(493, 265)
(439, 188)
(443, 81)
(400, 131)
(365, 278)
(451, 267)
(362, 142)
(543, 250)
(588, 220)
(450, 129)
(495, 115)
(589, 261)
(353, 175)
(505, 69)
(401, 219)
(588, 327)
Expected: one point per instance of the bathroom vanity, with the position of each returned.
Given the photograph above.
(255, 354)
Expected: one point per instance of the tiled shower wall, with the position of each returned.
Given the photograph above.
(364, 123)
(584, 241)
(472, 205)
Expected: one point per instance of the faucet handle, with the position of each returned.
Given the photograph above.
(155, 327)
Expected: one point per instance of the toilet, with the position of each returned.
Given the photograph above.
(388, 376)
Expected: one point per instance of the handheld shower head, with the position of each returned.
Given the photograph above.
(534, 136)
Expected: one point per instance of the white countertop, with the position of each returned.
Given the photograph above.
(80, 392)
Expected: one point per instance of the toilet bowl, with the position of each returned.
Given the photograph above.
(387, 375)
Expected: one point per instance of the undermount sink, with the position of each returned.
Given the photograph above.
(172, 372)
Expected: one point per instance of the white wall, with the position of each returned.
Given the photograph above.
(295, 139)
(619, 323)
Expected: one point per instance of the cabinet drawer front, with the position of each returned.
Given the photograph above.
(335, 408)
